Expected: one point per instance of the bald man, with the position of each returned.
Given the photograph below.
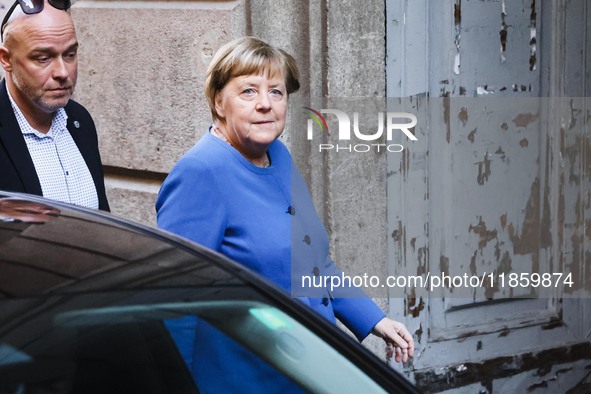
(48, 142)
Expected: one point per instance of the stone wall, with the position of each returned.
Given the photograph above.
(141, 72)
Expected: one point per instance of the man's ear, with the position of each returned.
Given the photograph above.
(5, 59)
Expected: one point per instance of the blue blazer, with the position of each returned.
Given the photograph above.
(263, 218)
(215, 197)
(16, 166)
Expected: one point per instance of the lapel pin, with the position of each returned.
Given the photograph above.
(76, 124)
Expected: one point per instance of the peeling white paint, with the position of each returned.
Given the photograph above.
(519, 202)
(481, 90)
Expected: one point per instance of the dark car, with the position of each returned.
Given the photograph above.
(85, 298)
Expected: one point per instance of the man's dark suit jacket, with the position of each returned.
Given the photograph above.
(17, 172)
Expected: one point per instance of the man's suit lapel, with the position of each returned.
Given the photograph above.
(15, 146)
(83, 133)
(84, 144)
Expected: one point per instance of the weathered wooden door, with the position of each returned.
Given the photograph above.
(495, 193)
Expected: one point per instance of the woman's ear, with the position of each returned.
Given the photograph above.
(219, 107)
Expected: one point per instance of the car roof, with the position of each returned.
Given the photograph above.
(60, 248)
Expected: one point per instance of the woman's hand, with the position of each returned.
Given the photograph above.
(397, 339)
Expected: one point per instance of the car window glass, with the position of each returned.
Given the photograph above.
(133, 348)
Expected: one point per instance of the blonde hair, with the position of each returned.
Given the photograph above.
(247, 56)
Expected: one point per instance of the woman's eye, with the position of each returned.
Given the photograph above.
(248, 91)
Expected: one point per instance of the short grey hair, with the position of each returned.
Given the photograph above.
(247, 56)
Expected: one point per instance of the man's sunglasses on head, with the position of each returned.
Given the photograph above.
(30, 7)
